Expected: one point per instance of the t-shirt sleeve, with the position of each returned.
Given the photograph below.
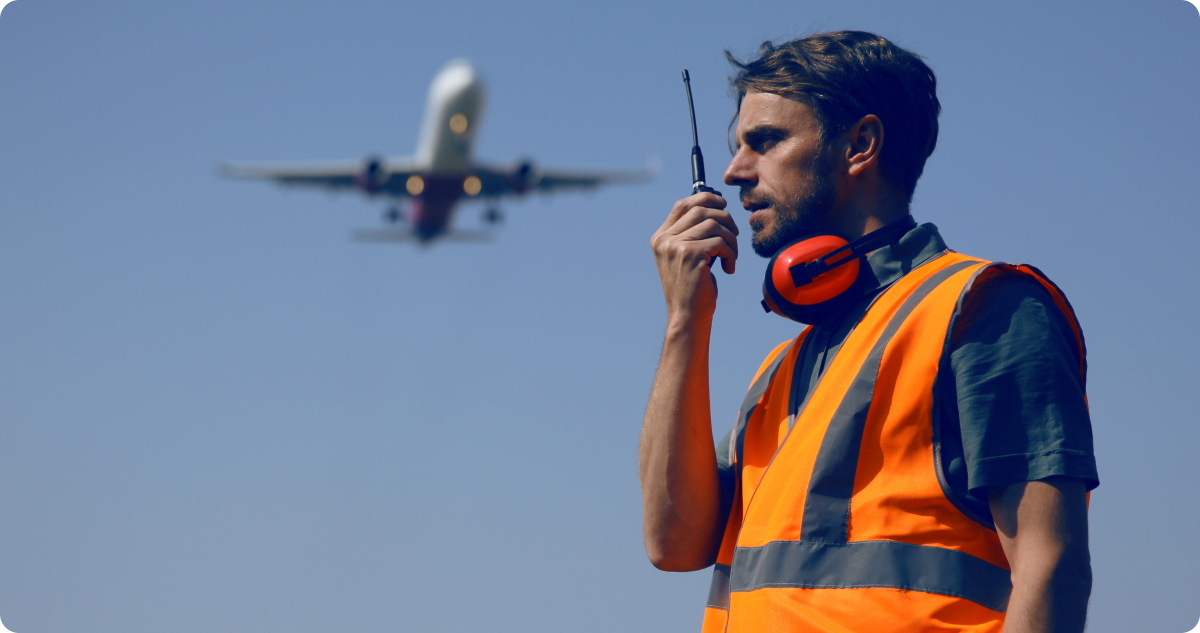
(1022, 411)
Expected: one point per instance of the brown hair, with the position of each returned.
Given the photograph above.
(845, 76)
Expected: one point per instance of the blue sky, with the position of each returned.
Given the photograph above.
(218, 413)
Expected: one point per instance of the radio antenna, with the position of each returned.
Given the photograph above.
(687, 83)
(698, 183)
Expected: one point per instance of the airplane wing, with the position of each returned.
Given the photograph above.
(558, 180)
(389, 176)
(523, 178)
(406, 235)
(377, 175)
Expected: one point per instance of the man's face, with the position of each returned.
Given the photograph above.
(783, 170)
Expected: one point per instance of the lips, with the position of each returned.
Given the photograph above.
(756, 211)
(754, 203)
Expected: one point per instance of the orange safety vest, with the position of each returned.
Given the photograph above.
(842, 520)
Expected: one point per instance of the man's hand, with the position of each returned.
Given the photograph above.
(695, 233)
(1043, 529)
(677, 463)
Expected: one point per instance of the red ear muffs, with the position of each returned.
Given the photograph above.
(821, 288)
(809, 278)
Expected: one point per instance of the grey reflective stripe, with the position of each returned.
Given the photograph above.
(718, 592)
(749, 402)
(946, 373)
(827, 505)
(871, 564)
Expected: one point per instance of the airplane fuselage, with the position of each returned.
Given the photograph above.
(445, 151)
(430, 212)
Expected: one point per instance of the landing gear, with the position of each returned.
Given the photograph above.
(392, 214)
(493, 215)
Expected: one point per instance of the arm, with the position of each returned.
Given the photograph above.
(676, 460)
(1043, 529)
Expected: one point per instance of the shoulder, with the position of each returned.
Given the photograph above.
(1000, 290)
(775, 359)
(782, 348)
(1013, 317)
(1017, 303)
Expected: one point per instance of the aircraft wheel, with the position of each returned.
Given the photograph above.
(493, 216)
(392, 215)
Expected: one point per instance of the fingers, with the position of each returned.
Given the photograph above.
(696, 232)
(699, 232)
(713, 228)
(716, 247)
(684, 205)
(698, 215)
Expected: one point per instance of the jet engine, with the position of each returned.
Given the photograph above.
(373, 175)
(525, 176)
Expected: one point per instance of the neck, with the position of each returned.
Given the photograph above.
(866, 209)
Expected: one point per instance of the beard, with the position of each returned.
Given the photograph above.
(794, 218)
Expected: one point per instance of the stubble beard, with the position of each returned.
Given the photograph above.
(794, 218)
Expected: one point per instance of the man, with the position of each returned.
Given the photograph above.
(919, 457)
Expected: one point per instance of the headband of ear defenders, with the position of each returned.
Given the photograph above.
(803, 273)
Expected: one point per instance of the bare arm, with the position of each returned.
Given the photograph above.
(677, 464)
(1043, 529)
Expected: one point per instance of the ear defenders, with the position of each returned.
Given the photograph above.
(808, 279)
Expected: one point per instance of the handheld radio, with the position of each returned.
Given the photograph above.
(698, 184)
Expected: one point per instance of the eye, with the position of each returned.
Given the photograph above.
(762, 141)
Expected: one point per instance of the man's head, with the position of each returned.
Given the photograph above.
(810, 137)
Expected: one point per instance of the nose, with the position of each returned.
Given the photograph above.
(741, 172)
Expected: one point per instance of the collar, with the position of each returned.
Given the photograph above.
(888, 264)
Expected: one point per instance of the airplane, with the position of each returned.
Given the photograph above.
(442, 173)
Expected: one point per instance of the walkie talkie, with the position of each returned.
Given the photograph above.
(698, 183)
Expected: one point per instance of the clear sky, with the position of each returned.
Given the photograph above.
(217, 413)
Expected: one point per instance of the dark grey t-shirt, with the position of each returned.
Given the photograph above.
(1015, 410)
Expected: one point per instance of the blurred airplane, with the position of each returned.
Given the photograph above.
(441, 174)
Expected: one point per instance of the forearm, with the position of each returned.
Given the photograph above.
(676, 461)
(676, 458)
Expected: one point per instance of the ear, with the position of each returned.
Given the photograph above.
(864, 141)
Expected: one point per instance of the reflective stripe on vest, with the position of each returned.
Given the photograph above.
(718, 593)
(849, 494)
(870, 564)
